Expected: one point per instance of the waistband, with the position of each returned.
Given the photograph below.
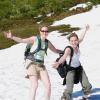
(39, 61)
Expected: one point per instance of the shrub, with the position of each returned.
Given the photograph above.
(5, 9)
(95, 2)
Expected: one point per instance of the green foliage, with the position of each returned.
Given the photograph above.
(17, 9)
(21, 16)
(27, 11)
(39, 4)
(53, 6)
(95, 2)
(5, 9)
(70, 3)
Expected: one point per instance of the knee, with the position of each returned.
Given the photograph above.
(87, 89)
(69, 90)
(34, 85)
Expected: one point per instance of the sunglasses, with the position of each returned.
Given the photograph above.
(44, 31)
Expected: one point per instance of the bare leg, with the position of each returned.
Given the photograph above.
(34, 85)
(46, 82)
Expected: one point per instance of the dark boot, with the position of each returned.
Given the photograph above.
(63, 98)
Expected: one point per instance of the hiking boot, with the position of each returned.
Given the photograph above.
(63, 98)
(86, 93)
(84, 98)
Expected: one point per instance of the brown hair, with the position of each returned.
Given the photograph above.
(73, 35)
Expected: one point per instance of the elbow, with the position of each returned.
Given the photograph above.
(57, 51)
(20, 41)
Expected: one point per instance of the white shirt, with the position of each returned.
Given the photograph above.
(75, 62)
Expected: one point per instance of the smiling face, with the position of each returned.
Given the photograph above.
(73, 40)
(44, 32)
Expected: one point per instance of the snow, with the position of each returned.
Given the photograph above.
(13, 85)
(84, 5)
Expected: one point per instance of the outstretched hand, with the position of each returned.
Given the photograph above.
(55, 65)
(8, 34)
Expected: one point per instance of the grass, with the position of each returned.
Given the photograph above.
(28, 27)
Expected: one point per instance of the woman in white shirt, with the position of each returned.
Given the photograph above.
(75, 64)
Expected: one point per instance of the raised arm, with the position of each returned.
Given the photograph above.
(83, 34)
(18, 39)
(52, 48)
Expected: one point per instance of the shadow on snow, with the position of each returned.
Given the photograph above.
(93, 95)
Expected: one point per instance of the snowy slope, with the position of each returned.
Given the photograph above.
(13, 85)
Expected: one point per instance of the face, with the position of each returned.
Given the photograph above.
(44, 32)
(74, 41)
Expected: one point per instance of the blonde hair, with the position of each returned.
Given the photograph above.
(43, 25)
